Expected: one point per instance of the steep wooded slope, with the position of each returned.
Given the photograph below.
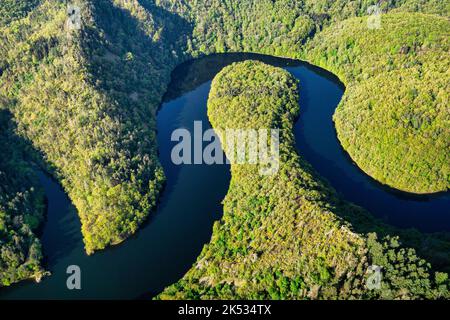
(87, 98)
(394, 117)
(21, 209)
(282, 236)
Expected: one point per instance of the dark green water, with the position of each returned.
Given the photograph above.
(168, 244)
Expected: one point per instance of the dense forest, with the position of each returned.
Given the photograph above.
(21, 210)
(394, 119)
(278, 27)
(281, 236)
(406, 146)
(15, 9)
(86, 99)
(76, 95)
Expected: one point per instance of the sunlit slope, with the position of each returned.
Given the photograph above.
(284, 236)
(11, 10)
(402, 141)
(275, 27)
(87, 100)
(21, 210)
(394, 118)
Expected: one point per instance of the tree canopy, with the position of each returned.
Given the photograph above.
(283, 236)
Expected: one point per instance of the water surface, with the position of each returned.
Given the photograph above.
(169, 243)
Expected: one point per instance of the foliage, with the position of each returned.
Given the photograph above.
(21, 211)
(281, 236)
(78, 97)
(278, 27)
(393, 119)
(15, 9)
(399, 137)
(87, 101)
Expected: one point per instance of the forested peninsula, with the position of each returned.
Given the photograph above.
(85, 99)
(283, 236)
(21, 209)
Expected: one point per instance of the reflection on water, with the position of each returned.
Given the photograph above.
(168, 244)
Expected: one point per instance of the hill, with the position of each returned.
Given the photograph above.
(87, 98)
(283, 236)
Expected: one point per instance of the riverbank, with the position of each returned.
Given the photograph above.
(286, 236)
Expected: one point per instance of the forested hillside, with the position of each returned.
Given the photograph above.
(394, 118)
(15, 9)
(281, 236)
(278, 27)
(21, 210)
(86, 99)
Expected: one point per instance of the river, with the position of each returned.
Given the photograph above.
(167, 245)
